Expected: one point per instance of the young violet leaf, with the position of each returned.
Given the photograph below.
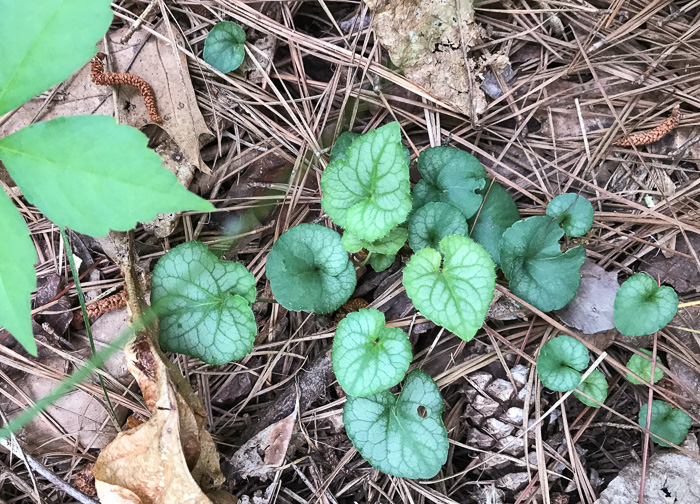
(595, 386)
(204, 304)
(432, 222)
(668, 423)
(532, 261)
(92, 175)
(642, 307)
(380, 262)
(41, 46)
(497, 214)
(642, 367)
(454, 292)
(451, 176)
(403, 436)
(368, 191)
(573, 212)
(368, 357)
(309, 269)
(224, 46)
(388, 245)
(17, 277)
(560, 362)
(341, 145)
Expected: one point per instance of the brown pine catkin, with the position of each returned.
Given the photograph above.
(98, 76)
(648, 137)
(101, 307)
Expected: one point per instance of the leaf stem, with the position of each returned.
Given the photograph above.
(83, 308)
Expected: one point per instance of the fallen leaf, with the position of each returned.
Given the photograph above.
(678, 271)
(264, 453)
(152, 462)
(591, 309)
(425, 38)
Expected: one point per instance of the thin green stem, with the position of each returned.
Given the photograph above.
(83, 308)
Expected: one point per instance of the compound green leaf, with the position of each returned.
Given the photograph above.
(532, 261)
(573, 212)
(204, 304)
(368, 357)
(497, 214)
(341, 145)
(17, 277)
(560, 362)
(451, 176)
(388, 245)
(454, 292)
(432, 222)
(668, 423)
(92, 175)
(41, 46)
(224, 46)
(380, 262)
(642, 367)
(309, 270)
(403, 436)
(595, 386)
(368, 191)
(642, 307)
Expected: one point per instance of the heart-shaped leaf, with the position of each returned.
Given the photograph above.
(368, 357)
(573, 212)
(92, 175)
(451, 176)
(666, 422)
(455, 292)
(224, 46)
(403, 436)
(642, 307)
(203, 304)
(341, 145)
(41, 46)
(532, 261)
(309, 270)
(17, 277)
(642, 367)
(560, 362)
(389, 244)
(497, 214)
(432, 222)
(380, 262)
(595, 386)
(368, 191)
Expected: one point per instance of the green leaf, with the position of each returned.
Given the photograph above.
(560, 362)
(497, 214)
(573, 212)
(388, 245)
(403, 436)
(204, 304)
(17, 277)
(341, 145)
(432, 222)
(642, 367)
(669, 423)
(368, 192)
(451, 176)
(595, 386)
(532, 261)
(41, 46)
(368, 357)
(380, 262)
(455, 292)
(309, 270)
(642, 307)
(92, 175)
(224, 46)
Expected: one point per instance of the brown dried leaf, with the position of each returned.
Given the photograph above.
(425, 39)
